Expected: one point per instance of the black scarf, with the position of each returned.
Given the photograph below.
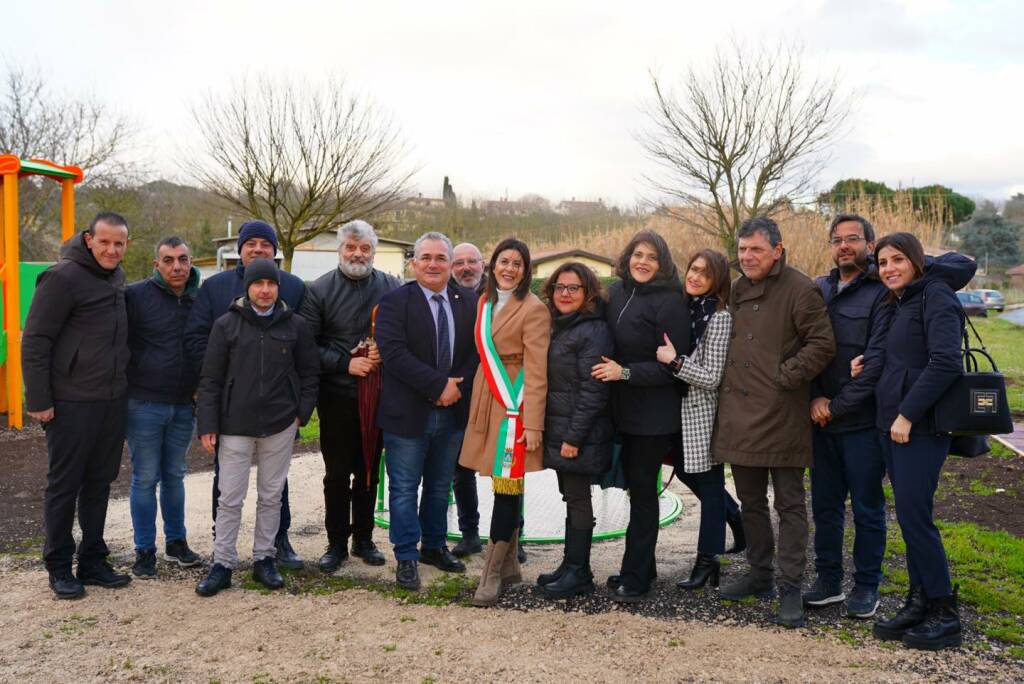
(701, 310)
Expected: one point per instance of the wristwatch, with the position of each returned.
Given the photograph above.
(624, 375)
(677, 362)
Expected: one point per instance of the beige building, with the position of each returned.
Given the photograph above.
(546, 261)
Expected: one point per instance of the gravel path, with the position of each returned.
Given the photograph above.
(161, 631)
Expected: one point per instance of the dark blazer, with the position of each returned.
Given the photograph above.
(922, 349)
(407, 339)
(860, 318)
(75, 343)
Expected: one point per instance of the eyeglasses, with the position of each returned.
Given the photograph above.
(571, 289)
(852, 240)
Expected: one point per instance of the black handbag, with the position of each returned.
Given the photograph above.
(975, 405)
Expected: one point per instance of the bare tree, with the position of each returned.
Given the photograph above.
(746, 136)
(36, 122)
(304, 158)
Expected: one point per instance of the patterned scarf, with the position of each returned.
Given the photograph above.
(701, 310)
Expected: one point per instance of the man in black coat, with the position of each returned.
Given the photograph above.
(161, 383)
(256, 240)
(338, 307)
(847, 454)
(74, 356)
(425, 333)
(258, 384)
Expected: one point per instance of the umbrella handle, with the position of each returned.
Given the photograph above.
(373, 320)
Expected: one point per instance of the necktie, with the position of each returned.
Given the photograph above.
(444, 352)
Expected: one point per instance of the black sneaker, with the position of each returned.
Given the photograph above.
(177, 551)
(101, 574)
(265, 572)
(468, 545)
(824, 593)
(286, 556)
(368, 551)
(791, 607)
(218, 578)
(145, 564)
(863, 602)
(65, 585)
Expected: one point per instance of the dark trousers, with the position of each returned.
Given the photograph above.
(85, 440)
(466, 500)
(575, 491)
(788, 487)
(286, 510)
(641, 460)
(848, 463)
(505, 516)
(914, 470)
(348, 495)
(715, 505)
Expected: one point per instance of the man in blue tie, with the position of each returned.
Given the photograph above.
(425, 335)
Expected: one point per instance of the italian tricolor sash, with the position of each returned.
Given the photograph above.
(509, 454)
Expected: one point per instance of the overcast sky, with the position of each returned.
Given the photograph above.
(545, 97)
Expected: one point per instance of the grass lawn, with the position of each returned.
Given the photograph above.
(1005, 342)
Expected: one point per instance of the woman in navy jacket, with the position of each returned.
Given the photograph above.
(922, 360)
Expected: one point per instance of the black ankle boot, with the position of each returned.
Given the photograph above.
(705, 568)
(577, 578)
(941, 629)
(913, 613)
(549, 577)
(739, 539)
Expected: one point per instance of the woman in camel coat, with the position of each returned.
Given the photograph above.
(512, 332)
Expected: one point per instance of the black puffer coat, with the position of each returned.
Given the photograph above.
(577, 408)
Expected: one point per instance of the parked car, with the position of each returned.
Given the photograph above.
(993, 299)
(973, 304)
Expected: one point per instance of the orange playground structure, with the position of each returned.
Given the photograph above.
(13, 302)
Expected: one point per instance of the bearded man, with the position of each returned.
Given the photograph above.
(338, 308)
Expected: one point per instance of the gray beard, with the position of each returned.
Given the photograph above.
(355, 271)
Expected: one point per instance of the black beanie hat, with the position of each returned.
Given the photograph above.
(261, 269)
(257, 229)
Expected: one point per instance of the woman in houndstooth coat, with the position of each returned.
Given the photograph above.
(701, 367)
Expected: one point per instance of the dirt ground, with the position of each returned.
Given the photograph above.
(161, 631)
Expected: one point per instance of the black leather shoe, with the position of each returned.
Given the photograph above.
(791, 607)
(265, 572)
(408, 575)
(145, 564)
(286, 556)
(218, 578)
(913, 613)
(468, 545)
(442, 559)
(705, 569)
(546, 578)
(615, 581)
(332, 558)
(941, 629)
(368, 551)
(626, 595)
(748, 585)
(65, 585)
(177, 551)
(101, 574)
(739, 539)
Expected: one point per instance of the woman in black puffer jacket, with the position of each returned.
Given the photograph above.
(577, 424)
(645, 306)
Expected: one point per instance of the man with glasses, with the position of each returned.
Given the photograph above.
(425, 335)
(847, 454)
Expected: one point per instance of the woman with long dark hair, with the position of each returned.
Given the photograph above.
(578, 429)
(922, 360)
(701, 367)
(645, 305)
(506, 409)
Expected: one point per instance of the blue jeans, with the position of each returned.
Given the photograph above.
(848, 463)
(158, 438)
(914, 470)
(430, 458)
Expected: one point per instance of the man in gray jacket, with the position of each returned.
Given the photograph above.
(74, 356)
(338, 307)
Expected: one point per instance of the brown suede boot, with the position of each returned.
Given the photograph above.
(510, 573)
(489, 589)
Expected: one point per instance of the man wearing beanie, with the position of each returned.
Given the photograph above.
(256, 240)
(258, 384)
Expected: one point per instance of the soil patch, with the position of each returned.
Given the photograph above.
(988, 491)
